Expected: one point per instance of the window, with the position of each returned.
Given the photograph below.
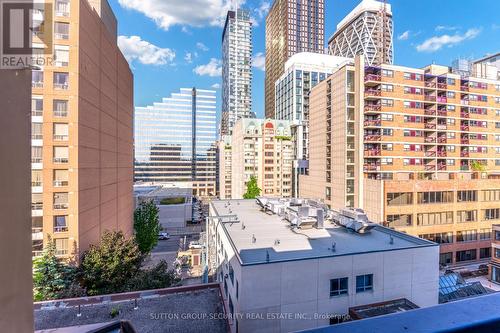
(36, 178)
(387, 117)
(61, 178)
(364, 283)
(61, 132)
(399, 198)
(37, 79)
(401, 220)
(492, 214)
(497, 253)
(61, 154)
(36, 201)
(485, 252)
(60, 223)
(60, 108)
(435, 218)
(440, 238)
(61, 200)
(37, 107)
(62, 8)
(387, 87)
(36, 131)
(338, 287)
(466, 216)
(466, 255)
(61, 57)
(445, 258)
(61, 81)
(466, 236)
(434, 197)
(36, 154)
(387, 73)
(463, 196)
(387, 102)
(387, 131)
(61, 30)
(484, 234)
(61, 246)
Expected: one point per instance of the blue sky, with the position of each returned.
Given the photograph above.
(177, 43)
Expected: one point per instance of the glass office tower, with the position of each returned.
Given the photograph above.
(175, 140)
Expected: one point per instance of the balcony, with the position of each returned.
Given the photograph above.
(372, 137)
(464, 114)
(441, 153)
(441, 166)
(372, 77)
(464, 127)
(464, 88)
(442, 85)
(430, 98)
(430, 126)
(442, 113)
(430, 112)
(429, 139)
(441, 127)
(430, 168)
(371, 167)
(430, 84)
(442, 99)
(442, 140)
(464, 101)
(430, 153)
(464, 154)
(464, 141)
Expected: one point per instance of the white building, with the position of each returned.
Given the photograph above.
(303, 71)
(277, 277)
(236, 69)
(366, 30)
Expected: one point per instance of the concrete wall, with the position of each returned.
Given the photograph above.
(16, 287)
(303, 287)
(105, 135)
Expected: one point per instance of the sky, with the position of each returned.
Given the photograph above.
(173, 44)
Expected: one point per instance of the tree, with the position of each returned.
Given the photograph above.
(253, 190)
(53, 279)
(146, 226)
(108, 266)
(154, 278)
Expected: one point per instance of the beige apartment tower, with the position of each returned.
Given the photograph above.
(82, 141)
(292, 26)
(261, 148)
(417, 149)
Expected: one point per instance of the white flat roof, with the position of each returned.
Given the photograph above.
(275, 237)
(316, 61)
(364, 6)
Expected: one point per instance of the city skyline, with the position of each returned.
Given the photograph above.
(190, 43)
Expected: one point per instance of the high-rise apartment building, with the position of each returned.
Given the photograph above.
(175, 140)
(292, 26)
(417, 149)
(236, 69)
(303, 71)
(224, 150)
(494, 269)
(367, 30)
(82, 143)
(263, 149)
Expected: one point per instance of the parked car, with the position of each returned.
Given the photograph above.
(163, 235)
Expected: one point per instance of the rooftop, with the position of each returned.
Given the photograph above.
(163, 189)
(180, 309)
(260, 237)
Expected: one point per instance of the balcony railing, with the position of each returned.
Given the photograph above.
(59, 35)
(37, 84)
(372, 137)
(372, 122)
(442, 99)
(430, 98)
(430, 112)
(58, 113)
(430, 139)
(59, 137)
(372, 92)
(372, 152)
(36, 205)
(36, 183)
(442, 85)
(464, 127)
(464, 88)
(60, 228)
(60, 183)
(442, 113)
(430, 167)
(61, 86)
(430, 126)
(442, 127)
(441, 166)
(372, 107)
(464, 141)
(430, 84)
(371, 167)
(441, 153)
(36, 113)
(61, 206)
(430, 153)
(464, 154)
(60, 160)
(372, 77)
(442, 140)
(464, 114)
(464, 101)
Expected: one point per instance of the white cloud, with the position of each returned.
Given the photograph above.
(405, 35)
(437, 42)
(202, 46)
(134, 48)
(215, 86)
(188, 57)
(259, 61)
(446, 27)
(213, 68)
(263, 9)
(196, 13)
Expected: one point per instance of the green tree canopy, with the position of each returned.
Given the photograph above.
(53, 278)
(253, 190)
(108, 266)
(146, 226)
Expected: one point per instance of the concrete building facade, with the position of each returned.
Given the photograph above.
(267, 266)
(303, 71)
(292, 26)
(262, 148)
(417, 149)
(494, 268)
(225, 162)
(175, 140)
(366, 30)
(236, 69)
(82, 139)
